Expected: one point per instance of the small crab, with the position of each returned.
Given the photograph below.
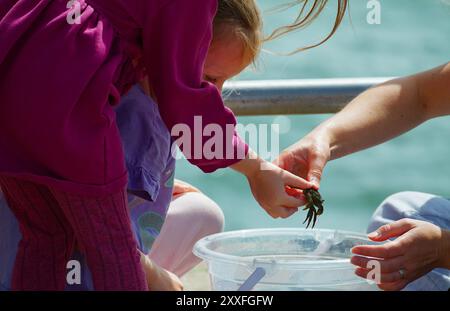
(314, 200)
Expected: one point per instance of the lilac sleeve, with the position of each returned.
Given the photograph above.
(175, 39)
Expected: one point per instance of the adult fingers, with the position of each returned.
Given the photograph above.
(391, 230)
(383, 278)
(386, 266)
(295, 181)
(388, 250)
(316, 165)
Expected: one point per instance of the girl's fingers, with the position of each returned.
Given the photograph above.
(295, 181)
(386, 266)
(293, 192)
(388, 250)
(281, 212)
(292, 202)
(286, 212)
(391, 230)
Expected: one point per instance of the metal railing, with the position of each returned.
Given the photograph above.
(271, 97)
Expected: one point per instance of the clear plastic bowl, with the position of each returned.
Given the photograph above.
(293, 259)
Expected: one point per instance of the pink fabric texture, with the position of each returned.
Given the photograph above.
(59, 81)
(51, 221)
(190, 217)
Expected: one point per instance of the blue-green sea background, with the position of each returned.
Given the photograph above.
(413, 36)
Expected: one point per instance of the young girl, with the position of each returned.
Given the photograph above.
(147, 144)
(62, 170)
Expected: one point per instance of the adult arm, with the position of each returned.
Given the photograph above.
(375, 116)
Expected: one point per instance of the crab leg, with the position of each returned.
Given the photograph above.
(315, 218)
(309, 217)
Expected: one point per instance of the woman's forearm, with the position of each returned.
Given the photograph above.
(375, 116)
(388, 110)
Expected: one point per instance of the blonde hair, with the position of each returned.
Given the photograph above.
(309, 11)
(244, 17)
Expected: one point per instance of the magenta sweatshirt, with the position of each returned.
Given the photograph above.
(59, 82)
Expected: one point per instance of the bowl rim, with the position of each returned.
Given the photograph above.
(202, 251)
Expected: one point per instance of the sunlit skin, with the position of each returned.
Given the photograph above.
(225, 59)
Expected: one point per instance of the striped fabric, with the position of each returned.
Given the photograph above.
(52, 221)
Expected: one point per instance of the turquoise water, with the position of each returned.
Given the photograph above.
(412, 36)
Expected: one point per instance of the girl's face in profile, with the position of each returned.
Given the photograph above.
(225, 59)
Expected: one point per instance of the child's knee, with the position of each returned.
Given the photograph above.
(214, 220)
(206, 214)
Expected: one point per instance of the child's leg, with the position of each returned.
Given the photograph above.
(190, 217)
(102, 228)
(47, 237)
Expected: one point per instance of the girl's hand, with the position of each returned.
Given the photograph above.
(158, 278)
(268, 184)
(419, 248)
(307, 158)
(180, 187)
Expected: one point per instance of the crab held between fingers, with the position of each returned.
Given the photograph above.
(314, 204)
(314, 200)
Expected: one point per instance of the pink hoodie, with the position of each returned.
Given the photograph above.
(59, 82)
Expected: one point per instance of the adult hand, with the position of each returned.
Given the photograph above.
(419, 248)
(307, 158)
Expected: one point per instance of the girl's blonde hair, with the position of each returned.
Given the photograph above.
(245, 19)
(309, 11)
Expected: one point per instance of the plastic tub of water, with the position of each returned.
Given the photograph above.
(291, 259)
